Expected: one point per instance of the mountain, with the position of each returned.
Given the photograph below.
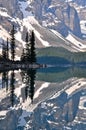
(55, 23)
(57, 15)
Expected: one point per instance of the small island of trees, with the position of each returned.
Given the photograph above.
(28, 56)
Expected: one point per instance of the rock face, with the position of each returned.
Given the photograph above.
(11, 6)
(80, 2)
(12, 9)
(57, 115)
(57, 15)
(53, 14)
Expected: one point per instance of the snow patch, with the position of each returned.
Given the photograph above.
(31, 20)
(75, 87)
(58, 34)
(74, 41)
(82, 102)
(38, 92)
(83, 26)
(3, 113)
(3, 12)
(23, 7)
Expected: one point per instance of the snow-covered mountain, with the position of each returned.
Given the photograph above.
(51, 20)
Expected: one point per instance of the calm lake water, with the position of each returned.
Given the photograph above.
(43, 99)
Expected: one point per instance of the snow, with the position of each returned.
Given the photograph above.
(28, 20)
(83, 26)
(18, 90)
(50, 104)
(44, 43)
(31, 20)
(52, 122)
(43, 105)
(3, 33)
(3, 113)
(82, 101)
(19, 38)
(4, 12)
(23, 7)
(75, 42)
(58, 34)
(68, 0)
(38, 92)
(77, 86)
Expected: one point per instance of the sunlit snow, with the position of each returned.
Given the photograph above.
(38, 92)
(23, 7)
(76, 42)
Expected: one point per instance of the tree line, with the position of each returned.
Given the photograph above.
(28, 53)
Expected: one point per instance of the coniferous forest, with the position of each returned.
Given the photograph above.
(28, 56)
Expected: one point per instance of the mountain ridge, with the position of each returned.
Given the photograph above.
(24, 16)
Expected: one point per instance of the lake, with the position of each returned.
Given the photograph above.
(52, 98)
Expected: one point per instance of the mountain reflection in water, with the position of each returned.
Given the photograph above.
(43, 99)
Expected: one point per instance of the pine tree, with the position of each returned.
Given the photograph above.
(29, 54)
(12, 87)
(12, 43)
(4, 52)
(28, 51)
(32, 42)
(7, 51)
(32, 74)
(23, 56)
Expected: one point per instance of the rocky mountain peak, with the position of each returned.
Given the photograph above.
(57, 15)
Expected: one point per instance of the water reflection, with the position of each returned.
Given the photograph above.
(12, 87)
(43, 99)
(28, 78)
(5, 80)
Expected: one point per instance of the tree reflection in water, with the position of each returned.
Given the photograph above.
(5, 80)
(12, 87)
(28, 78)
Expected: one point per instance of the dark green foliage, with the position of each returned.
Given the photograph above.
(4, 52)
(32, 42)
(7, 50)
(32, 82)
(28, 51)
(5, 80)
(12, 87)
(28, 77)
(23, 56)
(29, 55)
(12, 43)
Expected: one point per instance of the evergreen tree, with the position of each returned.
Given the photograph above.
(32, 83)
(7, 81)
(3, 79)
(12, 87)
(7, 52)
(29, 54)
(13, 43)
(28, 51)
(29, 81)
(4, 51)
(23, 56)
(32, 42)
